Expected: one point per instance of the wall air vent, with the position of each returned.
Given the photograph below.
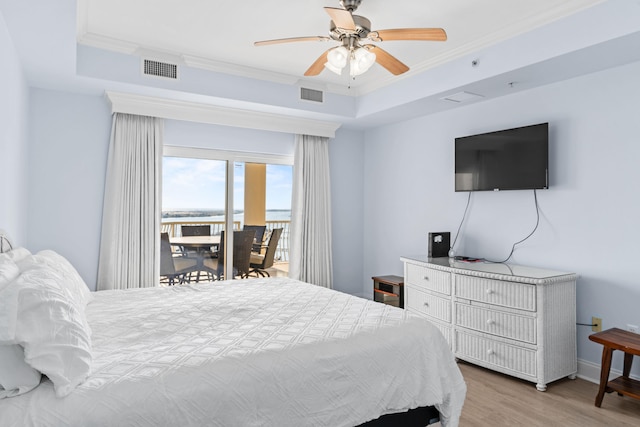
(160, 69)
(313, 95)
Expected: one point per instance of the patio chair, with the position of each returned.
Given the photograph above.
(242, 243)
(173, 269)
(259, 229)
(260, 262)
(195, 230)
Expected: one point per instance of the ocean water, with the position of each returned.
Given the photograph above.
(271, 215)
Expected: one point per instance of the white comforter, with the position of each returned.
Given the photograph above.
(263, 352)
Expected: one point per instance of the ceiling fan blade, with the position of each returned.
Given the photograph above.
(388, 61)
(429, 34)
(342, 18)
(317, 67)
(292, 39)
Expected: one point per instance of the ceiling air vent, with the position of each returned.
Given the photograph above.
(311, 94)
(160, 69)
(462, 97)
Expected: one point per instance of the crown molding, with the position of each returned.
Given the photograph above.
(107, 43)
(212, 114)
(238, 70)
(258, 74)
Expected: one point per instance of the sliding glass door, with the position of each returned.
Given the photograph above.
(227, 190)
(194, 214)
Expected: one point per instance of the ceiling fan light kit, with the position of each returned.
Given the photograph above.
(337, 59)
(349, 30)
(359, 59)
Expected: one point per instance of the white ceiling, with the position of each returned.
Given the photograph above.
(93, 46)
(219, 34)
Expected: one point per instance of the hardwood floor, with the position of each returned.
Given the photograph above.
(494, 399)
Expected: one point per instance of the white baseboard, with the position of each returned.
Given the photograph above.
(590, 371)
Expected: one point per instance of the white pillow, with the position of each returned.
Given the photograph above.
(8, 267)
(49, 325)
(16, 376)
(8, 270)
(8, 273)
(16, 254)
(72, 283)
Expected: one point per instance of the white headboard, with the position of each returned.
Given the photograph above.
(5, 242)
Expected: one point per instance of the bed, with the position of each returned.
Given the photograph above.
(257, 352)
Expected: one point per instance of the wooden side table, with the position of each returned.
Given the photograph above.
(629, 343)
(389, 290)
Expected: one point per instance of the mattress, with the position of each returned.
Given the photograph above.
(258, 352)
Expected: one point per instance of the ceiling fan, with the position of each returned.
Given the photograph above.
(351, 31)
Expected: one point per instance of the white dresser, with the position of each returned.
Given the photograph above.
(513, 319)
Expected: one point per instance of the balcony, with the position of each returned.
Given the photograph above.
(281, 264)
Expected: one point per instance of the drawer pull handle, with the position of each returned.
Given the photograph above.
(426, 304)
(489, 291)
(490, 352)
(426, 277)
(491, 322)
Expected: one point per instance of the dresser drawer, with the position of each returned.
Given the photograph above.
(508, 294)
(428, 278)
(428, 304)
(500, 356)
(521, 328)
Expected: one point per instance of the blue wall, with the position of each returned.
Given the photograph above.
(589, 215)
(346, 161)
(68, 148)
(14, 102)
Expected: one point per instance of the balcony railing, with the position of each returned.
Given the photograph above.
(282, 252)
(174, 228)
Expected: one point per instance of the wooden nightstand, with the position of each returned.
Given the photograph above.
(389, 290)
(629, 343)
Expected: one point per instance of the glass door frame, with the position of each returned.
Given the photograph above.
(230, 157)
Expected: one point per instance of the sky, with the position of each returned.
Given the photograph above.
(192, 184)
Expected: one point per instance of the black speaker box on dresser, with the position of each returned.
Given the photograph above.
(439, 244)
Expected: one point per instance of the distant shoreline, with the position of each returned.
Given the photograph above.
(216, 215)
(199, 213)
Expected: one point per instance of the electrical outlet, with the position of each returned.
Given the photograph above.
(632, 328)
(597, 324)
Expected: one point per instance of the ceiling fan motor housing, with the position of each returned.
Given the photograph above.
(363, 28)
(350, 5)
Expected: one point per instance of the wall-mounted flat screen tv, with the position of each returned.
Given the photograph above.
(510, 159)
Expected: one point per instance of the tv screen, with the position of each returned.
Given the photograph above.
(511, 159)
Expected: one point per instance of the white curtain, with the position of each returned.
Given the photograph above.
(130, 243)
(311, 212)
